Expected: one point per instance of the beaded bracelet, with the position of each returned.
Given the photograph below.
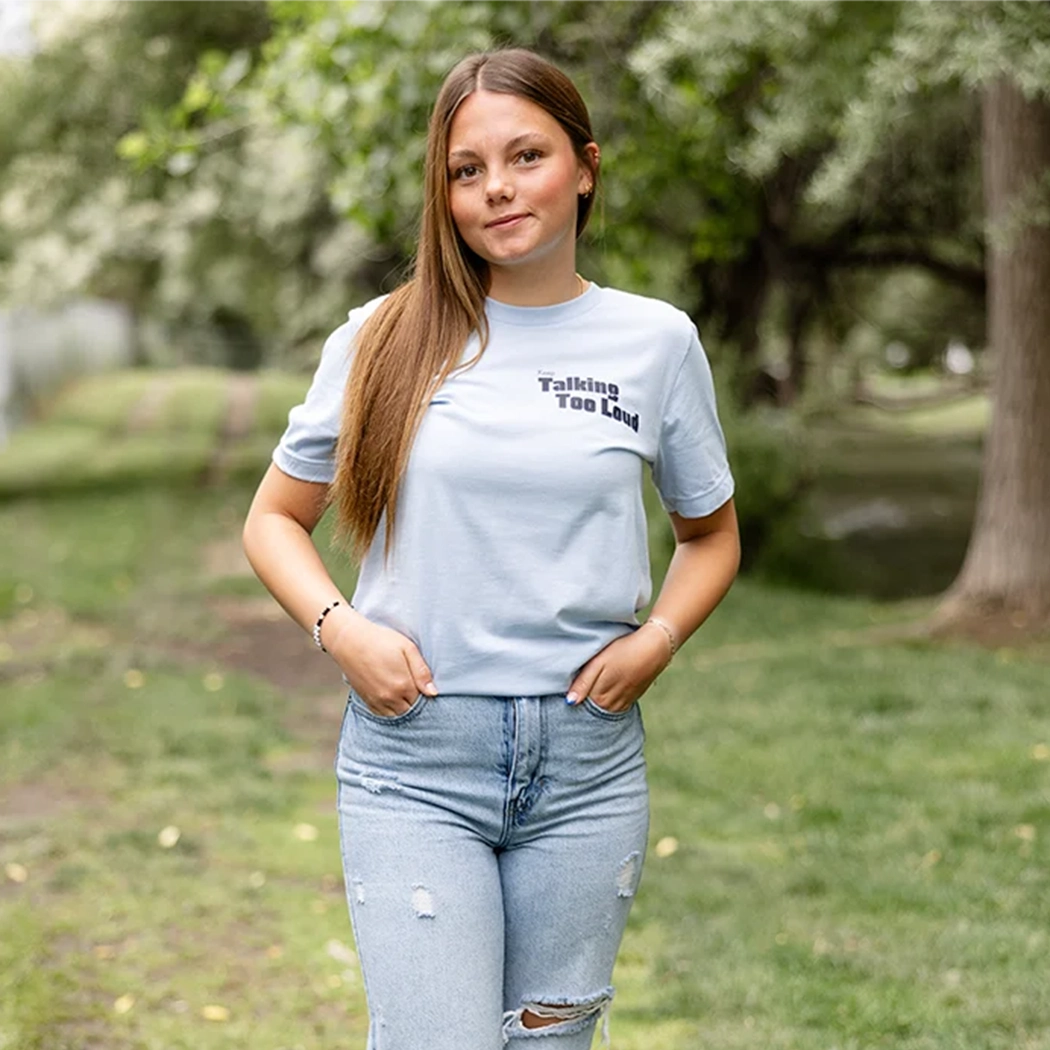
(667, 630)
(320, 620)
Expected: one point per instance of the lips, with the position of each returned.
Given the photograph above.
(505, 221)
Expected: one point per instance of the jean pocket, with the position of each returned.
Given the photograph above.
(609, 716)
(361, 708)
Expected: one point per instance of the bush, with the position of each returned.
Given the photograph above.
(770, 461)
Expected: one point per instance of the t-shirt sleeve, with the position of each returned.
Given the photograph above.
(691, 470)
(307, 448)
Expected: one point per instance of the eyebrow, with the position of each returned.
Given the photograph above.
(514, 143)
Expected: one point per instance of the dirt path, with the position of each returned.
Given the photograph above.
(241, 395)
(147, 409)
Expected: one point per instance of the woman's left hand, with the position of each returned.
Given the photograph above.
(616, 677)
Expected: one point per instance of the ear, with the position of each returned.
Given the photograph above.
(588, 169)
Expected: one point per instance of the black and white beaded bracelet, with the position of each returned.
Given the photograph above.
(320, 620)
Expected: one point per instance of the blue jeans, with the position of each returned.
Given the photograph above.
(491, 849)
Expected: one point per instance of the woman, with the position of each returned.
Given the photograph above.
(493, 415)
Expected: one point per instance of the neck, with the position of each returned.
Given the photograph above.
(534, 288)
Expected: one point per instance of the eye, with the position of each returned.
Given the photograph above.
(530, 156)
(466, 171)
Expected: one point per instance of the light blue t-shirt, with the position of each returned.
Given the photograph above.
(521, 546)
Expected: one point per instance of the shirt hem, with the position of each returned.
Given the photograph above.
(302, 469)
(701, 506)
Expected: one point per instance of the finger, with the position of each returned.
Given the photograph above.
(421, 676)
(583, 683)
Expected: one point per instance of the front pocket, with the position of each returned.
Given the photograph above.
(361, 708)
(608, 716)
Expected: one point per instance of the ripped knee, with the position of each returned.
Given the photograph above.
(539, 1017)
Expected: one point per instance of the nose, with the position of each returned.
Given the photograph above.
(498, 185)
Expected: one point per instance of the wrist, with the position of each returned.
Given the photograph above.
(664, 629)
(330, 622)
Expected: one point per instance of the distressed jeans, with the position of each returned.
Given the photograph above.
(491, 849)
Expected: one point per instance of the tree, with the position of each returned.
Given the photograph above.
(1006, 573)
(996, 52)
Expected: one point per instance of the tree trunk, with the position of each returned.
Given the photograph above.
(1005, 579)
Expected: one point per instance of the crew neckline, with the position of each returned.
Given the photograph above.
(556, 313)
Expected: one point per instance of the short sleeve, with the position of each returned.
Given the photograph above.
(307, 448)
(691, 470)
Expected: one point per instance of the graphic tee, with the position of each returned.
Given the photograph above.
(521, 548)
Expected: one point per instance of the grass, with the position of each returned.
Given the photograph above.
(861, 820)
(850, 825)
(90, 437)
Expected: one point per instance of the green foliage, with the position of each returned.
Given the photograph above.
(252, 169)
(768, 456)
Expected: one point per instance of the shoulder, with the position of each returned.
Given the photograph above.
(338, 345)
(656, 314)
(359, 314)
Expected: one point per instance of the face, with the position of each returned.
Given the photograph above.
(514, 179)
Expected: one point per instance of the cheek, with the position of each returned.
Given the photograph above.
(559, 190)
(459, 211)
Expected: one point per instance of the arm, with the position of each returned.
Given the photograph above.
(704, 565)
(383, 666)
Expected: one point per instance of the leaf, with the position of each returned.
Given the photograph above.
(666, 847)
(213, 1012)
(169, 836)
(16, 872)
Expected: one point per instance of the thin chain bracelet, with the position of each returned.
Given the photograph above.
(320, 620)
(667, 630)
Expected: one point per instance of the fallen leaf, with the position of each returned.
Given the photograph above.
(340, 952)
(257, 880)
(215, 1013)
(134, 679)
(1025, 832)
(667, 846)
(305, 832)
(213, 682)
(930, 859)
(168, 836)
(1041, 752)
(124, 1004)
(16, 872)
(771, 811)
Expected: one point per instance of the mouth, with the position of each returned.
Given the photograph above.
(506, 221)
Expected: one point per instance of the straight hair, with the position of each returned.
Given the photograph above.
(412, 342)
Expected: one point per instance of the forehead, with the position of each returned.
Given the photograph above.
(490, 119)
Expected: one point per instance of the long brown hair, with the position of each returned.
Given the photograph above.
(410, 345)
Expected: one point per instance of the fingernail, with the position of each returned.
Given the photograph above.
(430, 689)
(571, 698)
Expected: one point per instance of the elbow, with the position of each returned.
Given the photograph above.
(250, 537)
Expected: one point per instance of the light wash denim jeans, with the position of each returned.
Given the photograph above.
(491, 848)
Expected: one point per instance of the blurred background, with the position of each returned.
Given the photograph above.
(850, 761)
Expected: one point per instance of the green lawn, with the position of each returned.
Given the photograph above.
(850, 824)
(861, 818)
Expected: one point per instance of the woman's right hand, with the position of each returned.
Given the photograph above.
(384, 668)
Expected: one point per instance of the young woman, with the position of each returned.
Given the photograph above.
(482, 432)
